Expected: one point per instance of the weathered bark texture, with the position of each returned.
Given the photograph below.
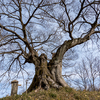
(47, 75)
(50, 74)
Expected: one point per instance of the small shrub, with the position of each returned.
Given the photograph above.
(76, 96)
(52, 95)
(69, 90)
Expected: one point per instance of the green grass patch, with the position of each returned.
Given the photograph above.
(52, 95)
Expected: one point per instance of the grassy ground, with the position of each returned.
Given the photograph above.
(62, 94)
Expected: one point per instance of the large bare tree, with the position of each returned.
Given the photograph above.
(35, 29)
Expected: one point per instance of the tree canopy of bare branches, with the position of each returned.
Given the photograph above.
(88, 73)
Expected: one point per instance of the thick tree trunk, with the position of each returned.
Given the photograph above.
(50, 75)
(47, 76)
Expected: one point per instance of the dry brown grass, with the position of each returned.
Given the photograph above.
(53, 94)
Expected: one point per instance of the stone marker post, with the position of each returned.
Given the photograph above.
(14, 88)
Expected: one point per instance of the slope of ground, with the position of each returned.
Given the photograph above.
(52, 94)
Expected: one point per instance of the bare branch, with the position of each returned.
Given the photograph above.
(34, 12)
(1, 26)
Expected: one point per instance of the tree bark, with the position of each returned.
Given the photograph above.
(50, 75)
(47, 75)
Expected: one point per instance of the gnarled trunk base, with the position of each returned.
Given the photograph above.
(47, 76)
